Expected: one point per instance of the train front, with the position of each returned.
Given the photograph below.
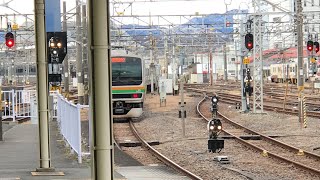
(127, 86)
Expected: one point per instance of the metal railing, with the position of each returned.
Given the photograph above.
(69, 120)
(8, 106)
(23, 104)
(18, 104)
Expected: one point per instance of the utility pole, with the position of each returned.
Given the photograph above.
(100, 90)
(79, 53)
(300, 57)
(225, 62)
(210, 41)
(65, 62)
(182, 111)
(151, 63)
(85, 54)
(166, 56)
(173, 65)
(42, 85)
(211, 67)
(236, 58)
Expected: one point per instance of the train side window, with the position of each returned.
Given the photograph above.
(19, 70)
(32, 69)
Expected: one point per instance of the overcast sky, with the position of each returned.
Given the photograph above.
(170, 7)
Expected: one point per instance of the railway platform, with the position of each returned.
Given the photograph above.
(19, 155)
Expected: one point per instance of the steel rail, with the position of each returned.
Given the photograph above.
(310, 169)
(231, 99)
(161, 156)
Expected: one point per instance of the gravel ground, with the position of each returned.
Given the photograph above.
(122, 133)
(163, 124)
(191, 152)
(286, 126)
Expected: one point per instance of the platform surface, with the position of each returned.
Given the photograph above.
(19, 156)
(150, 173)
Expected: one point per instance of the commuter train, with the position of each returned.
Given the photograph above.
(288, 72)
(128, 84)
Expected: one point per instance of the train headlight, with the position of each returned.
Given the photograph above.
(219, 127)
(211, 127)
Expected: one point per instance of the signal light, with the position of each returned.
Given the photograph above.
(310, 45)
(214, 100)
(9, 40)
(249, 41)
(316, 44)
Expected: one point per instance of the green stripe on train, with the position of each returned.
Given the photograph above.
(127, 91)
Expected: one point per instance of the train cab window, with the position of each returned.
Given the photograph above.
(126, 71)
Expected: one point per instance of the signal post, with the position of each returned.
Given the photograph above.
(57, 51)
(247, 41)
(10, 42)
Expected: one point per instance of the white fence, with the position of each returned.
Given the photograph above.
(23, 104)
(17, 104)
(69, 120)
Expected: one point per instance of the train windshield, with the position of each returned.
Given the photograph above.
(126, 71)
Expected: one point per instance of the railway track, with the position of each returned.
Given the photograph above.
(233, 99)
(269, 147)
(157, 154)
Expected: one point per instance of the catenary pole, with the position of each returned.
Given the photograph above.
(85, 54)
(151, 64)
(100, 90)
(79, 54)
(65, 62)
(42, 84)
(300, 55)
(225, 62)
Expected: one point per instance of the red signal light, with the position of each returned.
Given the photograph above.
(310, 45)
(9, 43)
(316, 46)
(9, 40)
(135, 96)
(249, 41)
